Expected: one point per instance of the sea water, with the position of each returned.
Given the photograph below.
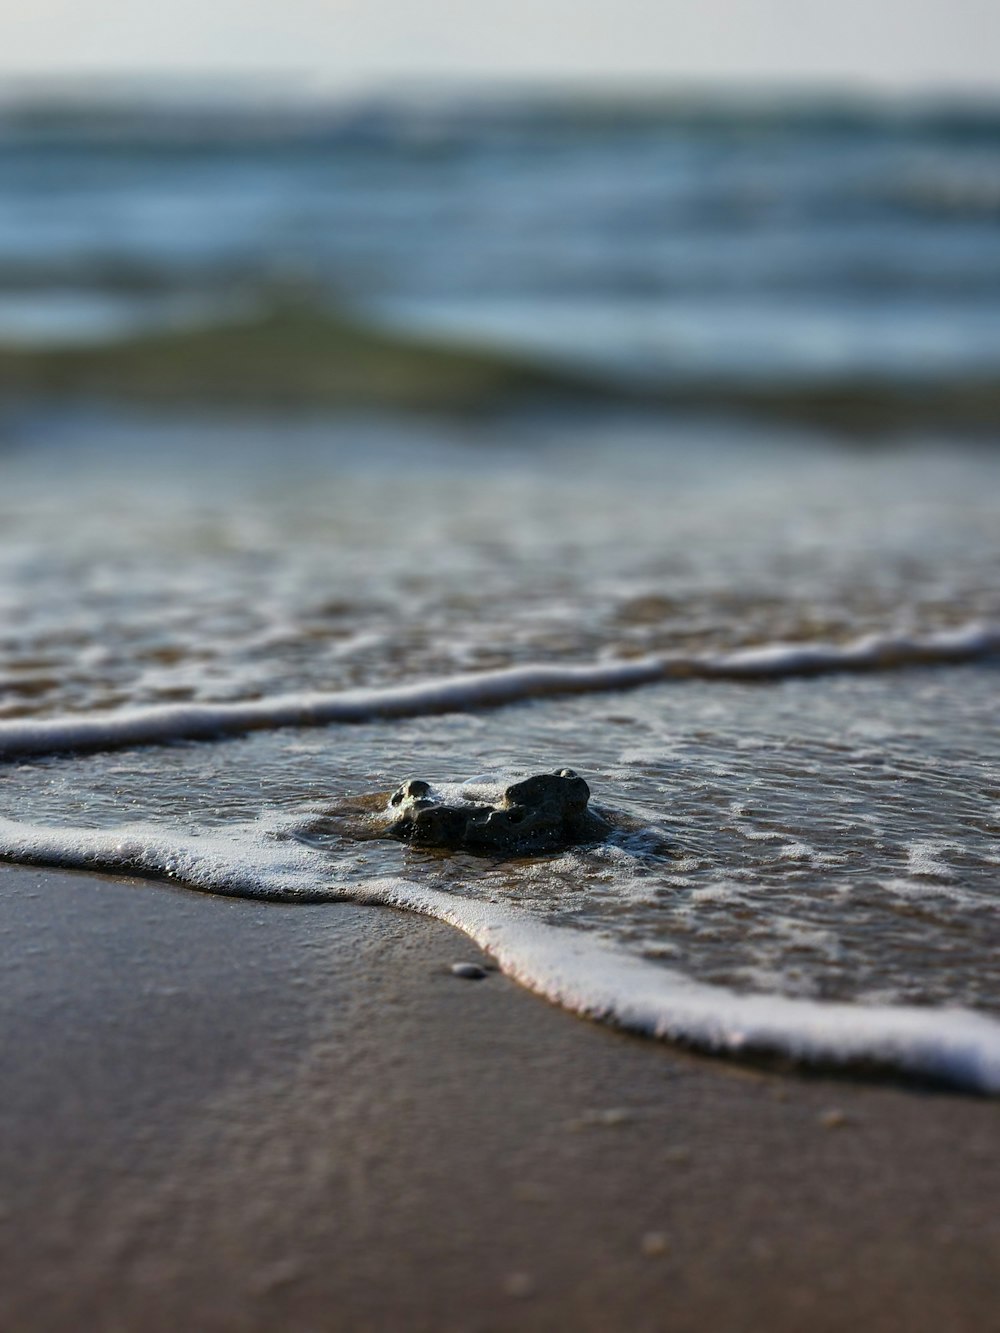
(772, 651)
(774, 657)
(701, 241)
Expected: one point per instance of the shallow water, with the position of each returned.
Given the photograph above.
(834, 838)
(147, 563)
(837, 840)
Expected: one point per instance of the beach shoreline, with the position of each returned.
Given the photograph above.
(232, 1114)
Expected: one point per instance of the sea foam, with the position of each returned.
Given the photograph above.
(489, 689)
(572, 968)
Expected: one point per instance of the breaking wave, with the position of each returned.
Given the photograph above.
(490, 689)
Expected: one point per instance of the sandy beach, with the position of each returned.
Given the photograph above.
(219, 1114)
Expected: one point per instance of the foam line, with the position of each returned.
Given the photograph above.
(603, 982)
(572, 968)
(490, 689)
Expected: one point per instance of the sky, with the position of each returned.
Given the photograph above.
(891, 44)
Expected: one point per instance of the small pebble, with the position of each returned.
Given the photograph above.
(527, 1191)
(677, 1152)
(654, 1243)
(469, 971)
(614, 1115)
(834, 1118)
(281, 1273)
(519, 1285)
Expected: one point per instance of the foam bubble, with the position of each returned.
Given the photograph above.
(924, 859)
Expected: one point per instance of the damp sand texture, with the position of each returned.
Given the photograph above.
(207, 1118)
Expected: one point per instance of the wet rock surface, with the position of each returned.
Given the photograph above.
(545, 812)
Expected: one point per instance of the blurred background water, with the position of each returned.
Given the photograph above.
(662, 242)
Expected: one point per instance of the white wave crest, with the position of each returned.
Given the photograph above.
(490, 689)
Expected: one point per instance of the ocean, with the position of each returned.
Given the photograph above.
(758, 615)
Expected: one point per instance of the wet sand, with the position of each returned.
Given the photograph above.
(224, 1115)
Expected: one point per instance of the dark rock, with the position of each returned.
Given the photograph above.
(537, 814)
(469, 971)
